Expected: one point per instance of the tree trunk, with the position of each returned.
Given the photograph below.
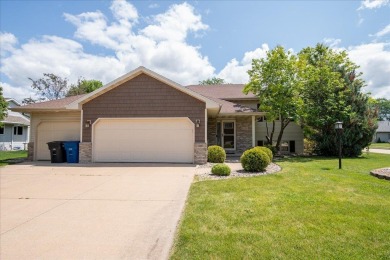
(270, 136)
(283, 124)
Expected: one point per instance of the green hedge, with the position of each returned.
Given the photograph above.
(254, 160)
(221, 169)
(267, 151)
(216, 154)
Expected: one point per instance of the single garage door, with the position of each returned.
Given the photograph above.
(143, 140)
(55, 131)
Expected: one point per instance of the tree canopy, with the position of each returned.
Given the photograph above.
(274, 80)
(212, 81)
(50, 86)
(316, 88)
(383, 105)
(332, 91)
(83, 86)
(3, 105)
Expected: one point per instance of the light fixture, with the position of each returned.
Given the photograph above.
(88, 123)
(339, 129)
(197, 122)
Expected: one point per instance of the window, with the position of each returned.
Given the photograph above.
(262, 119)
(260, 143)
(284, 146)
(1, 130)
(18, 130)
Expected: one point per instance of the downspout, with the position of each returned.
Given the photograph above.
(253, 131)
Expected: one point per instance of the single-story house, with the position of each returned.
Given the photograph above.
(14, 129)
(145, 117)
(382, 134)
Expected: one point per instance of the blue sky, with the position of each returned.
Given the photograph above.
(185, 41)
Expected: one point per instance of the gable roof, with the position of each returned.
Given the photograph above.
(223, 91)
(15, 117)
(383, 127)
(210, 104)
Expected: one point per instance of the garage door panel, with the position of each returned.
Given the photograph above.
(143, 140)
(55, 131)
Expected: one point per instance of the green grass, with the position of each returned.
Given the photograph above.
(380, 146)
(7, 156)
(310, 210)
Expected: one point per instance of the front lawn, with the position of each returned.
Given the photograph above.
(310, 210)
(380, 146)
(7, 156)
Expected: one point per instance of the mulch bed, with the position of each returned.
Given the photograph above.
(383, 173)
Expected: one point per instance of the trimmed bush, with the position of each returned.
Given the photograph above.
(267, 151)
(216, 154)
(272, 148)
(221, 169)
(254, 160)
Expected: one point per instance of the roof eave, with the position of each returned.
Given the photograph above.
(243, 114)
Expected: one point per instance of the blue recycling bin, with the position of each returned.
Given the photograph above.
(72, 151)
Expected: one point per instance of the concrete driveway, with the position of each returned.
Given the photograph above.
(97, 211)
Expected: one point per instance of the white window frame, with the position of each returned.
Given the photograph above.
(16, 132)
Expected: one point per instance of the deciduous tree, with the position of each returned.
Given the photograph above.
(274, 81)
(84, 86)
(50, 86)
(212, 81)
(332, 91)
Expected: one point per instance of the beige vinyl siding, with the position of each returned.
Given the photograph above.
(37, 118)
(293, 132)
(54, 126)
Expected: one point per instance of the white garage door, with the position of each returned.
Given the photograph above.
(143, 140)
(55, 131)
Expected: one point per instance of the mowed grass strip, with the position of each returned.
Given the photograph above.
(380, 146)
(310, 210)
(6, 156)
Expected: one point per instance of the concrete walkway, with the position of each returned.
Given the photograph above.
(383, 151)
(99, 211)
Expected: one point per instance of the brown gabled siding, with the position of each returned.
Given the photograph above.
(144, 96)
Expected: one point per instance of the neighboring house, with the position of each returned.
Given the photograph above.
(382, 134)
(14, 130)
(144, 117)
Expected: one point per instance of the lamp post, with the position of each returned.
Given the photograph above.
(339, 128)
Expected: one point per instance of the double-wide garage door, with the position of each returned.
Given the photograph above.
(143, 140)
(55, 131)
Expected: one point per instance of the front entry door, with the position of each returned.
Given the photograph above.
(229, 135)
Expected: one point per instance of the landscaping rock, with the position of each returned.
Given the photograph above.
(204, 171)
(383, 173)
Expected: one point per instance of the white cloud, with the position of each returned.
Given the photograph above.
(175, 24)
(19, 93)
(332, 42)
(236, 72)
(383, 32)
(8, 42)
(373, 4)
(154, 5)
(170, 54)
(374, 61)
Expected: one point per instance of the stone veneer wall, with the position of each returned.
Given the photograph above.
(30, 151)
(243, 133)
(200, 153)
(211, 131)
(85, 152)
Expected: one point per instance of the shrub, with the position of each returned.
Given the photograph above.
(221, 169)
(216, 154)
(267, 151)
(272, 148)
(254, 160)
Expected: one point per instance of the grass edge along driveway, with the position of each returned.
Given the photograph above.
(310, 210)
(7, 156)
